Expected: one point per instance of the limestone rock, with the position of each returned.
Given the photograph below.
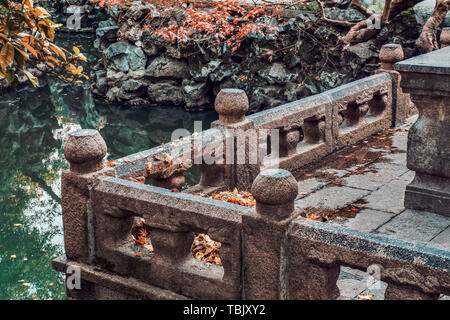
(162, 67)
(165, 92)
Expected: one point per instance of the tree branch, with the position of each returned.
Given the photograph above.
(362, 31)
(427, 40)
(360, 7)
(386, 11)
(336, 22)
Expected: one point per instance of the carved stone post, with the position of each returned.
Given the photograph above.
(231, 105)
(427, 79)
(265, 235)
(85, 150)
(401, 103)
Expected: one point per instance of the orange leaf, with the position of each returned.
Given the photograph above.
(111, 163)
(6, 56)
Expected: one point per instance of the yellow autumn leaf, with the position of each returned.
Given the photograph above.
(76, 50)
(34, 81)
(28, 3)
(74, 70)
(6, 56)
(41, 12)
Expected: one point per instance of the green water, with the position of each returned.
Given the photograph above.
(33, 126)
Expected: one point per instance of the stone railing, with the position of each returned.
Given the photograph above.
(307, 130)
(329, 121)
(269, 252)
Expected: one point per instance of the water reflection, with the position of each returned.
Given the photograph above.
(33, 125)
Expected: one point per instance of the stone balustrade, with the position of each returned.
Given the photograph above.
(329, 121)
(307, 130)
(317, 251)
(267, 252)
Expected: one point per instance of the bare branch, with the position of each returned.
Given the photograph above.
(362, 31)
(336, 22)
(361, 8)
(386, 11)
(427, 40)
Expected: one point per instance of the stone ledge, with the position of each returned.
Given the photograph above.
(117, 284)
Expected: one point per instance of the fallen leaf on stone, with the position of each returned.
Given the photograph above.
(139, 254)
(315, 217)
(205, 249)
(365, 297)
(242, 198)
(111, 163)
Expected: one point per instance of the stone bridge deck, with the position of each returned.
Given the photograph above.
(362, 188)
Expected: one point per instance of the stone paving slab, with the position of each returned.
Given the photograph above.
(331, 198)
(388, 198)
(310, 185)
(441, 241)
(407, 176)
(352, 283)
(415, 226)
(377, 175)
(367, 220)
(376, 291)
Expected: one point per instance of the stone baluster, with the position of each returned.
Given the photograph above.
(171, 244)
(314, 129)
(401, 103)
(175, 181)
(241, 165)
(445, 37)
(265, 235)
(84, 150)
(212, 175)
(289, 138)
(427, 79)
(171, 176)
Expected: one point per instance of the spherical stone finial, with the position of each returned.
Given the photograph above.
(390, 54)
(231, 105)
(445, 37)
(275, 191)
(85, 150)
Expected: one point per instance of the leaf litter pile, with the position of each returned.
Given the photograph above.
(203, 247)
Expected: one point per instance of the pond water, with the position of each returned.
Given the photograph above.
(33, 126)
